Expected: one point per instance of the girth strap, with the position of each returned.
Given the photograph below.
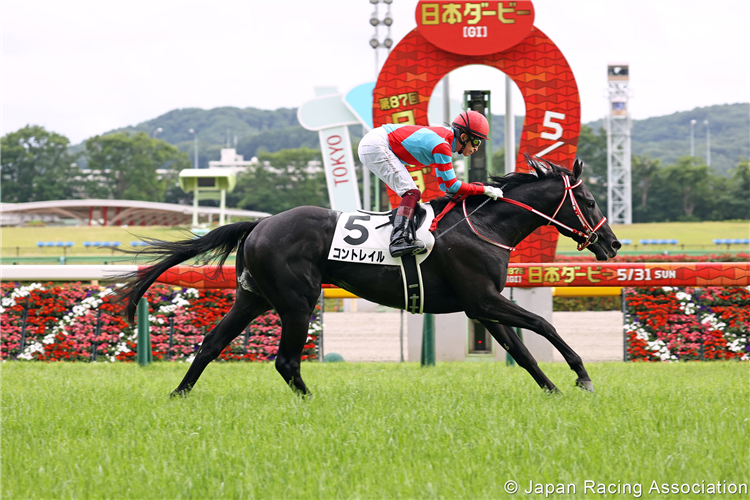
(413, 288)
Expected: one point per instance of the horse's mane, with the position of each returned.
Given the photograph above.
(540, 169)
(510, 181)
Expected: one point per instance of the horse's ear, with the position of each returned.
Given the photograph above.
(577, 169)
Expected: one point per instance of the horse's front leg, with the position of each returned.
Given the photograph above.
(507, 338)
(507, 313)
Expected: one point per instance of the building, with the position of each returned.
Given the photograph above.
(94, 212)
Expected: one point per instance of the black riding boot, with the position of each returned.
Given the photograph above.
(402, 238)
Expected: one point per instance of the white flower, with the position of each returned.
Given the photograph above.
(30, 350)
(23, 291)
(167, 309)
(713, 322)
(638, 329)
(736, 345)
(17, 293)
(659, 348)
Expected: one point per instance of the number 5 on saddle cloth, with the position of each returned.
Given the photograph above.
(363, 238)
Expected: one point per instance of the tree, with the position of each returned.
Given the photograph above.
(130, 163)
(732, 199)
(741, 186)
(281, 181)
(644, 171)
(691, 181)
(592, 150)
(36, 166)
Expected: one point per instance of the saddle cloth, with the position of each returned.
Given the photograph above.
(363, 237)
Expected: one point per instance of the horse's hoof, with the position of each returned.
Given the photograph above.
(179, 393)
(553, 391)
(586, 385)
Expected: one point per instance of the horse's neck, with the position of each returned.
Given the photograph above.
(514, 229)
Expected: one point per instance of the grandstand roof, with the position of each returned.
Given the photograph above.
(116, 212)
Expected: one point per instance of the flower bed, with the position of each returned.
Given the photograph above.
(671, 324)
(76, 322)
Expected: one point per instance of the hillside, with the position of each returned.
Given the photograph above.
(665, 137)
(668, 137)
(247, 129)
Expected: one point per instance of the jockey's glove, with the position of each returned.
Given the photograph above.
(493, 192)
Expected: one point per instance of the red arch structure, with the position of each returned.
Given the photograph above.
(536, 65)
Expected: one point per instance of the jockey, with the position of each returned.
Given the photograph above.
(385, 150)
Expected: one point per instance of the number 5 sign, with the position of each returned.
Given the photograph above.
(536, 65)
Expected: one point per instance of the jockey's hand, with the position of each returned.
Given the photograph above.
(493, 192)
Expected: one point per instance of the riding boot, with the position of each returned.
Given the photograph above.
(403, 240)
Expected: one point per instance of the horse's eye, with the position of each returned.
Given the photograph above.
(591, 204)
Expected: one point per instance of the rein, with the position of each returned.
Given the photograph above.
(589, 233)
(447, 209)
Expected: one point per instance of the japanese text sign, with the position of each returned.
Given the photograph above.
(475, 28)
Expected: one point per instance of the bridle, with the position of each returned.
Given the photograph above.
(589, 233)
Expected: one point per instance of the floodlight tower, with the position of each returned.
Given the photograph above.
(387, 21)
(375, 21)
(618, 146)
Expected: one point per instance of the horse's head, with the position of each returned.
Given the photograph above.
(578, 210)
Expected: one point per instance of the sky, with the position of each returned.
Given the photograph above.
(81, 68)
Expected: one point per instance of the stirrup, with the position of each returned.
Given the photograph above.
(399, 249)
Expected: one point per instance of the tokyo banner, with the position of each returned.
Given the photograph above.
(330, 117)
(336, 148)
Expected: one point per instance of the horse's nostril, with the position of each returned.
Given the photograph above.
(616, 245)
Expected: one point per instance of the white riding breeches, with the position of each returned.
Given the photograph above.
(375, 153)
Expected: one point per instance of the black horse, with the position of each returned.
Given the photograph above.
(286, 258)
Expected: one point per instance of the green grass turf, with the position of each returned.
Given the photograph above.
(27, 237)
(457, 430)
(687, 233)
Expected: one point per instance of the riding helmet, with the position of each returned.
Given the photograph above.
(473, 123)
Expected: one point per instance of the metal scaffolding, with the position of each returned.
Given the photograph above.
(619, 194)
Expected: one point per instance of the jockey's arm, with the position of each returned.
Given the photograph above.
(450, 184)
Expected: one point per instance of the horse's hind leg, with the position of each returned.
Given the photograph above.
(507, 338)
(294, 328)
(246, 308)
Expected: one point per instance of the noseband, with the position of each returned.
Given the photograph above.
(588, 232)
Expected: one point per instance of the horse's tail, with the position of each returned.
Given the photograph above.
(218, 243)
